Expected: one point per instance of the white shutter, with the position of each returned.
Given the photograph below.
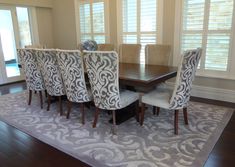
(85, 21)
(92, 20)
(208, 24)
(219, 32)
(139, 23)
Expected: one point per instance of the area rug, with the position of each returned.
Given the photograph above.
(152, 145)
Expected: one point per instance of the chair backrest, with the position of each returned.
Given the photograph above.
(185, 76)
(130, 53)
(37, 46)
(157, 54)
(103, 73)
(50, 71)
(89, 45)
(105, 47)
(72, 70)
(33, 76)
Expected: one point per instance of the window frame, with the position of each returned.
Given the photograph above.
(138, 33)
(230, 73)
(106, 20)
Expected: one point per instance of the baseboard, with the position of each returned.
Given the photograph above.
(211, 93)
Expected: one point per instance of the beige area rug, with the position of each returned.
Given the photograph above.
(153, 145)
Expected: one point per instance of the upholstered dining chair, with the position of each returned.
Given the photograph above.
(72, 70)
(179, 98)
(157, 54)
(33, 76)
(36, 46)
(51, 75)
(130, 53)
(103, 74)
(105, 47)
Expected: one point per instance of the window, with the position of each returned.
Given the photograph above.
(139, 22)
(93, 20)
(208, 24)
(24, 26)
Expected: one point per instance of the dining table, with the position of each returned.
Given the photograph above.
(142, 77)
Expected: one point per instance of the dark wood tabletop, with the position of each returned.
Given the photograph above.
(144, 75)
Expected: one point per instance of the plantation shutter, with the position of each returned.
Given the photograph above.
(208, 24)
(139, 23)
(92, 20)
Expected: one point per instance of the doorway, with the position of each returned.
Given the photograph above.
(15, 32)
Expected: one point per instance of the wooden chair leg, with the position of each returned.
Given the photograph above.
(88, 105)
(48, 102)
(158, 110)
(41, 101)
(137, 111)
(69, 105)
(30, 97)
(35, 92)
(97, 111)
(154, 110)
(114, 130)
(60, 106)
(142, 114)
(176, 121)
(46, 93)
(83, 113)
(185, 116)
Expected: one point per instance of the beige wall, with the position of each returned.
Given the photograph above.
(64, 24)
(113, 22)
(45, 26)
(39, 3)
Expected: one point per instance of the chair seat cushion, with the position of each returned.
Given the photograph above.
(128, 97)
(159, 97)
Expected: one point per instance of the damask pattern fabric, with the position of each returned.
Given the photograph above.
(72, 70)
(184, 79)
(89, 45)
(51, 72)
(30, 67)
(102, 69)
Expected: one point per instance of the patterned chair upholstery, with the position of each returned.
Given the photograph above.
(72, 70)
(89, 45)
(33, 76)
(181, 94)
(103, 74)
(51, 74)
(130, 53)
